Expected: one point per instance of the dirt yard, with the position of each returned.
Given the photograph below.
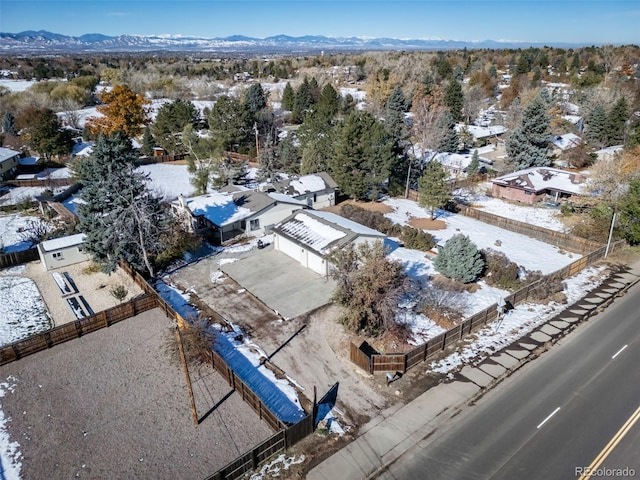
(114, 405)
(93, 286)
(427, 223)
(371, 206)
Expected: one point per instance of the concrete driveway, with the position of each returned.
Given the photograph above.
(280, 282)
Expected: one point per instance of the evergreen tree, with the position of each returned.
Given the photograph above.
(616, 122)
(434, 187)
(449, 140)
(454, 99)
(8, 123)
(148, 142)
(329, 101)
(630, 213)
(171, 119)
(364, 156)
(304, 101)
(395, 110)
(474, 166)
(289, 155)
(230, 123)
(288, 97)
(43, 131)
(255, 98)
(596, 131)
(121, 219)
(459, 259)
(316, 136)
(528, 144)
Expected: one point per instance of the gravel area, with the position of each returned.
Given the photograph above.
(114, 404)
(94, 287)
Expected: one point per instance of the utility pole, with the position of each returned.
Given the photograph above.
(255, 130)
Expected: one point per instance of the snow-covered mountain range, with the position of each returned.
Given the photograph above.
(47, 42)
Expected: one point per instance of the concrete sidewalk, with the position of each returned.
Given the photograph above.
(392, 433)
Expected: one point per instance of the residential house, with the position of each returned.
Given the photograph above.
(225, 215)
(605, 154)
(9, 161)
(479, 132)
(309, 237)
(562, 143)
(317, 190)
(538, 183)
(457, 164)
(63, 251)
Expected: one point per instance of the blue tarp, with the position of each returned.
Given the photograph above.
(274, 398)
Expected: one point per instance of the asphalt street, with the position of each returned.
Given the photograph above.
(553, 416)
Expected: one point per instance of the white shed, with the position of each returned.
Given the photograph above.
(309, 236)
(63, 251)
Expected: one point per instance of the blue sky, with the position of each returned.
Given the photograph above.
(585, 21)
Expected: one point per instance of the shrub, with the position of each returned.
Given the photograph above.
(119, 292)
(444, 307)
(500, 271)
(417, 239)
(459, 259)
(375, 220)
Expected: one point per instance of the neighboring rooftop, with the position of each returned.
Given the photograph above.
(566, 141)
(7, 153)
(315, 182)
(538, 179)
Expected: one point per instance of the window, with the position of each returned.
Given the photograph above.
(57, 256)
(254, 224)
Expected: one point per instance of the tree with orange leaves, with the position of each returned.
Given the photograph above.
(124, 111)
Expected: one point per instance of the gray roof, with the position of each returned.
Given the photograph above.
(323, 232)
(303, 184)
(7, 153)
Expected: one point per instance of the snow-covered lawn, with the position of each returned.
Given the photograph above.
(10, 227)
(169, 181)
(20, 194)
(16, 85)
(525, 251)
(540, 216)
(516, 323)
(22, 310)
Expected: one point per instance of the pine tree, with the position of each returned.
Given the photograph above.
(596, 131)
(630, 213)
(288, 97)
(329, 101)
(616, 122)
(395, 110)
(121, 219)
(148, 142)
(255, 98)
(171, 119)
(364, 155)
(42, 128)
(316, 136)
(454, 99)
(528, 144)
(230, 123)
(449, 141)
(433, 187)
(459, 259)
(474, 166)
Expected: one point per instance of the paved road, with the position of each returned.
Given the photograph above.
(554, 415)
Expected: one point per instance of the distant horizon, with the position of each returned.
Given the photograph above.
(582, 22)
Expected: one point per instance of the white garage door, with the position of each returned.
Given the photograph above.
(316, 263)
(288, 247)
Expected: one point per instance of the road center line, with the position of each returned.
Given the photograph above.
(602, 456)
(619, 352)
(547, 419)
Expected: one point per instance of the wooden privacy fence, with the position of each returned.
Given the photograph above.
(160, 159)
(277, 443)
(375, 362)
(285, 437)
(42, 182)
(560, 239)
(17, 258)
(69, 331)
